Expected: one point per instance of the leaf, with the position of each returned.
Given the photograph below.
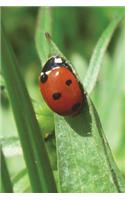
(21, 182)
(6, 117)
(43, 26)
(45, 117)
(14, 155)
(43, 113)
(43, 37)
(6, 185)
(3, 94)
(118, 98)
(113, 79)
(84, 160)
(98, 54)
(35, 154)
(16, 164)
(79, 64)
(109, 102)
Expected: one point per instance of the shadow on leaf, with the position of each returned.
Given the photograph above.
(81, 123)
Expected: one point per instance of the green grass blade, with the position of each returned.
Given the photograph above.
(43, 26)
(6, 185)
(35, 154)
(43, 35)
(98, 54)
(85, 162)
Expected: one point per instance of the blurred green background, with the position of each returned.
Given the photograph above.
(75, 31)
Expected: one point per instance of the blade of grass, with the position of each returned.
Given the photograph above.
(98, 54)
(15, 160)
(35, 154)
(6, 185)
(43, 25)
(21, 182)
(85, 162)
(18, 176)
(44, 30)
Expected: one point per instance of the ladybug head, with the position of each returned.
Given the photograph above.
(55, 61)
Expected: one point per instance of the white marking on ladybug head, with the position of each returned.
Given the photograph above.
(74, 71)
(55, 68)
(58, 60)
(48, 72)
(57, 73)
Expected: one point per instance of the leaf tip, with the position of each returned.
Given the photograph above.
(48, 36)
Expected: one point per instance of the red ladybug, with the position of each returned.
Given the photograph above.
(60, 88)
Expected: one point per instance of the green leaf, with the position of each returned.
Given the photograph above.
(117, 99)
(79, 64)
(43, 26)
(45, 117)
(6, 185)
(21, 182)
(84, 159)
(98, 54)
(14, 155)
(16, 164)
(43, 35)
(109, 102)
(3, 94)
(35, 154)
(43, 113)
(85, 162)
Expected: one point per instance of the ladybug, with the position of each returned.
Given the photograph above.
(60, 87)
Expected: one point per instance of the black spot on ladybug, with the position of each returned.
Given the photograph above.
(68, 82)
(43, 78)
(76, 106)
(56, 96)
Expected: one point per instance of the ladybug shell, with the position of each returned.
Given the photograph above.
(61, 91)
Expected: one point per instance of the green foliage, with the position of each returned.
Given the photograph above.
(36, 158)
(83, 156)
(84, 162)
(5, 182)
(42, 44)
(108, 97)
(98, 54)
